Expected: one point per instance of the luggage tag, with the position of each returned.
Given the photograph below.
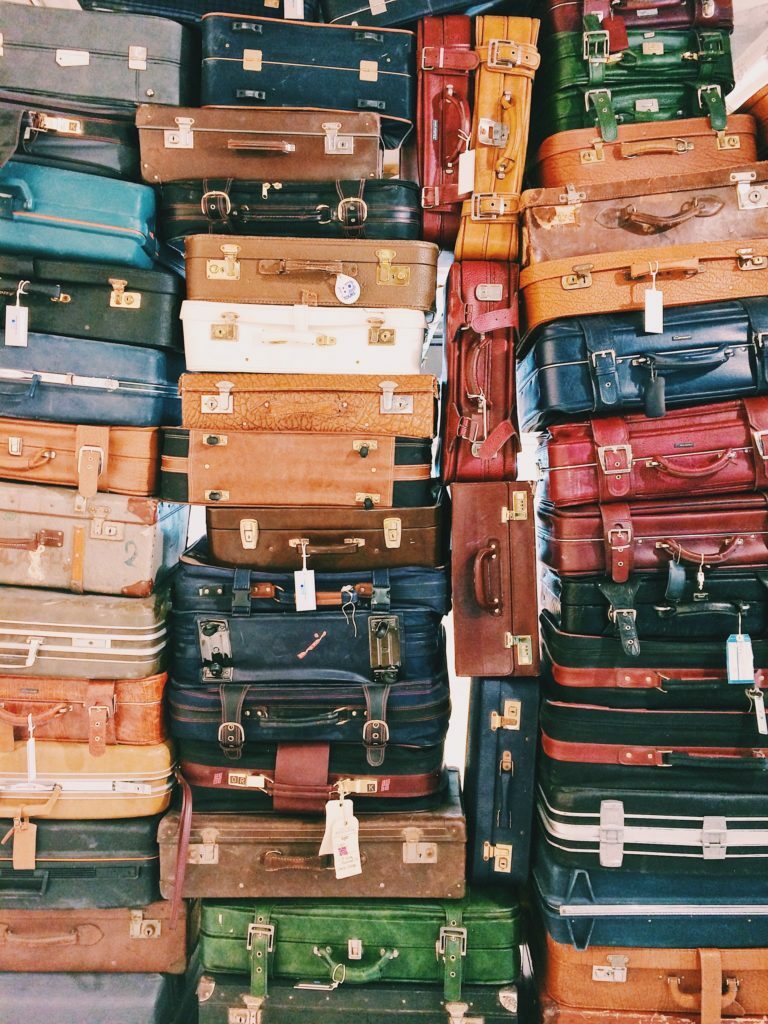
(294, 10)
(466, 181)
(654, 305)
(347, 289)
(740, 664)
(341, 837)
(24, 834)
(304, 582)
(17, 320)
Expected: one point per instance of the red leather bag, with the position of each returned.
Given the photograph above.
(619, 15)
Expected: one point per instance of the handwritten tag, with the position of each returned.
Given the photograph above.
(740, 661)
(466, 182)
(346, 847)
(335, 812)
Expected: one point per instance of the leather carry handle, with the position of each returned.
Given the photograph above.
(34, 643)
(648, 268)
(347, 547)
(40, 719)
(756, 762)
(80, 935)
(449, 98)
(38, 459)
(260, 147)
(41, 539)
(513, 146)
(276, 860)
(489, 602)
(656, 224)
(301, 266)
(26, 810)
(302, 721)
(341, 972)
(652, 147)
(664, 363)
(12, 394)
(696, 609)
(664, 465)
(692, 1000)
(699, 557)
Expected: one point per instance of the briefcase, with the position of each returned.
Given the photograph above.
(337, 538)
(608, 363)
(568, 15)
(220, 336)
(498, 781)
(494, 580)
(242, 144)
(325, 272)
(97, 997)
(337, 66)
(242, 468)
(191, 11)
(57, 635)
(480, 434)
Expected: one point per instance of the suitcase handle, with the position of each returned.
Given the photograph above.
(40, 719)
(41, 539)
(33, 643)
(692, 1000)
(347, 547)
(648, 268)
(15, 887)
(276, 860)
(15, 195)
(653, 147)
(38, 459)
(481, 578)
(80, 935)
(12, 394)
(330, 718)
(664, 465)
(261, 147)
(655, 224)
(449, 98)
(699, 557)
(341, 972)
(302, 266)
(513, 146)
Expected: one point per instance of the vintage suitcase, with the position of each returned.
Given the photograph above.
(710, 206)
(44, 212)
(508, 57)
(494, 580)
(644, 150)
(409, 854)
(501, 745)
(106, 62)
(84, 864)
(193, 10)
(480, 435)
(98, 998)
(445, 62)
(114, 545)
(337, 538)
(618, 15)
(757, 107)
(89, 636)
(248, 145)
(555, 1013)
(242, 468)
(226, 337)
(399, 940)
(338, 66)
(608, 363)
(325, 272)
(387, 12)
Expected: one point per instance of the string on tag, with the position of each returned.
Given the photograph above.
(31, 754)
(700, 580)
(654, 303)
(349, 607)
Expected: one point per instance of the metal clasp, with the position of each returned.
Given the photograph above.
(616, 450)
(391, 404)
(121, 299)
(181, 137)
(227, 268)
(222, 402)
(335, 144)
(387, 273)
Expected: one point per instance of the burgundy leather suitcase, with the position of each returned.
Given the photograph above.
(479, 429)
(619, 15)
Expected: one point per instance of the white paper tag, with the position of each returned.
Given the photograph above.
(16, 326)
(739, 660)
(654, 311)
(759, 701)
(335, 811)
(466, 172)
(346, 848)
(294, 10)
(304, 581)
(347, 289)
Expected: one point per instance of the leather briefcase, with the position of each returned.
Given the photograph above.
(337, 538)
(480, 434)
(405, 854)
(325, 272)
(248, 145)
(192, 11)
(298, 60)
(494, 580)
(242, 468)
(619, 15)
(97, 997)
(508, 57)
(331, 403)
(645, 150)
(445, 62)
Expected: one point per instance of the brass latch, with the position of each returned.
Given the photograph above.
(519, 509)
(387, 273)
(144, 927)
(206, 852)
(500, 854)
(378, 334)
(524, 645)
(580, 278)
(363, 447)
(596, 155)
(748, 260)
(509, 719)
(227, 268)
(227, 330)
(615, 971)
(252, 60)
(728, 141)
(325, 340)
(121, 299)
(393, 532)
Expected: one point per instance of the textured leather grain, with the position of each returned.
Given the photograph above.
(757, 106)
(567, 15)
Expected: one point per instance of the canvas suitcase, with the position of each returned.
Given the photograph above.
(338, 66)
(99, 998)
(501, 745)
(646, 150)
(89, 379)
(57, 635)
(568, 15)
(337, 538)
(324, 272)
(445, 62)
(104, 62)
(494, 580)
(223, 337)
(84, 864)
(608, 363)
(192, 11)
(509, 59)
(49, 212)
(248, 145)
(480, 434)
(400, 940)
(242, 468)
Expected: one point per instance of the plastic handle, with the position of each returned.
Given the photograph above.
(648, 268)
(341, 972)
(489, 602)
(34, 644)
(663, 465)
(302, 721)
(692, 1000)
(41, 539)
(756, 762)
(655, 224)
(260, 147)
(13, 395)
(12, 887)
(697, 609)
(81, 935)
(459, 103)
(653, 147)
(700, 557)
(40, 719)
(679, 364)
(513, 147)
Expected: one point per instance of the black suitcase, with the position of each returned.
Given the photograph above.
(95, 998)
(609, 364)
(335, 209)
(79, 864)
(388, 12)
(272, 63)
(499, 778)
(192, 11)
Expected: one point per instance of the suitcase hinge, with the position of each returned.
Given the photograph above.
(393, 532)
(336, 144)
(121, 299)
(580, 278)
(144, 927)
(249, 534)
(206, 852)
(48, 123)
(510, 718)
(325, 340)
(616, 971)
(228, 268)
(137, 58)
(748, 260)
(518, 511)
(215, 649)
(102, 528)
(524, 645)
(220, 403)
(492, 133)
(500, 854)
(749, 195)
(378, 334)
(611, 833)
(726, 141)
(227, 330)
(391, 404)
(714, 838)
(384, 647)
(416, 852)
(181, 137)
(388, 273)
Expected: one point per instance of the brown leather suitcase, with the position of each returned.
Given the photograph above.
(120, 459)
(493, 567)
(557, 1013)
(757, 106)
(183, 143)
(619, 15)
(659, 148)
(316, 272)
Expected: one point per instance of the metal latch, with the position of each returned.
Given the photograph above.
(206, 852)
(388, 273)
(119, 298)
(378, 334)
(492, 133)
(182, 137)
(748, 260)
(144, 927)
(252, 60)
(615, 971)
(749, 195)
(227, 268)
(384, 647)
(247, 1014)
(391, 404)
(335, 144)
(393, 531)
(524, 645)
(416, 852)
(611, 834)
(102, 528)
(221, 402)
(227, 330)
(249, 534)
(580, 278)
(510, 717)
(714, 838)
(500, 854)
(215, 440)
(727, 142)
(48, 123)
(215, 648)
(354, 949)
(489, 292)
(363, 447)
(15, 445)
(451, 933)
(596, 155)
(137, 58)
(518, 511)
(73, 58)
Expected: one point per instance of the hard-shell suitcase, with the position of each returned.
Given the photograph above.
(409, 854)
(115, 545)
(337, 538)
(508, 57)
(398, 940)
(568, 15)
(248, 145)
(445, 62)
(499, 779)
(480, 435)
(89, 380)
(608, 363)
(384, 12)
(242, 467)
(89, 636)
(494, 580)
(644, 150)
(337, 66)
(556, 1013)
(192, 11)
(227, 337)
(98, 998)
(103, 62)
(323, 272)
(84, 864)
(46, 211)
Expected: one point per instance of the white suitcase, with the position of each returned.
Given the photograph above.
(302, 339)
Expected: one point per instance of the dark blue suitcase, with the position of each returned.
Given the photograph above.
(95, 998)
(192, 11)
(499, 778)
(86, 380)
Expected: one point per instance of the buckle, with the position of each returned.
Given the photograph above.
(597, 47)
(231, 735)
(431, 67)
(614, 532)
(261, 931)
(615, 449)
(215, 194)
(708, 89)
(489, 206)
(596, 92)
(96, 450)
(600, 354)
(427, 204)
(452, 933)
(375, 733)
(758, 436)
(352, 219)
(613, 613)
(499, 60)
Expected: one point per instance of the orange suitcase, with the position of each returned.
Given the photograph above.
(555, 1013)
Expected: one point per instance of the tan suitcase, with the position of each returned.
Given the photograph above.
(557, 1013)
(757, 106)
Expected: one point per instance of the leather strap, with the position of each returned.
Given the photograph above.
(375, 728)
(182, 848)
(640, 756)
(300, 769)
(442, 196)
(613, 458)
(622, 612)
(452, 947)
(711, 98)
(92, 454)
(600, 100)
(618, 539)
(231, 731)
(241, 592)
(498, 437)
(639, 678)
(757, 417)
(448, 59)
(711, 986)
(78, 560)
(509, 57)
(601, 362)
(98, 717)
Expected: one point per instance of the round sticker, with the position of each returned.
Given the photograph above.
(347, 289)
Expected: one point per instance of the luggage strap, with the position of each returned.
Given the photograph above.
(92, 451)
(450, 59)
(622, 612)
(601, 362)
(451, 949)
(757, 416)
(301, 770)
(614, 460)
(655, 757)
(618, 539)
(182, 848)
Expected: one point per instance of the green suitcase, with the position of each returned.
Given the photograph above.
(473, 941)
